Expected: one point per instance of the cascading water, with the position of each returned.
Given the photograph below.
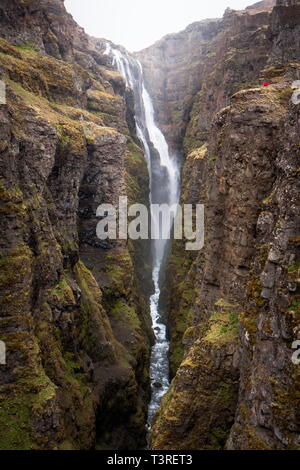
(164, 188)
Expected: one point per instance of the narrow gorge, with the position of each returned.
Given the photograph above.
(164, 176)
(132, 344)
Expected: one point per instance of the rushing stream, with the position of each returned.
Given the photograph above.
(164, 188)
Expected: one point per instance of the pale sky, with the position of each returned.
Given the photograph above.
(137, 24)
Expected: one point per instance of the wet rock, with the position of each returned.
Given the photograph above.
(157, 385)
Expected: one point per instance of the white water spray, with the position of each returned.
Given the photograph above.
(164, 182)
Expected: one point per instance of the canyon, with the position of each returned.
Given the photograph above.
(75, 310)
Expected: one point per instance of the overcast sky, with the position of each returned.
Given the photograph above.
(136, 24)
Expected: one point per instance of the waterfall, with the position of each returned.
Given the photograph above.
(164, 188)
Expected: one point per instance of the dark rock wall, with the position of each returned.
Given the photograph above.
(73, 312)
(233, 309)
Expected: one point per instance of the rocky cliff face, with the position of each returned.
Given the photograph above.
(194, 73)
(73, 311)
(73, 315)
(233, 309)
(228, 55)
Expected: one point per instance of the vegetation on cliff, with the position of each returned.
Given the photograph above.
(241, 161)
(76, 329)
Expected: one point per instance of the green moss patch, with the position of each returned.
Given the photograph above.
(223, 327)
